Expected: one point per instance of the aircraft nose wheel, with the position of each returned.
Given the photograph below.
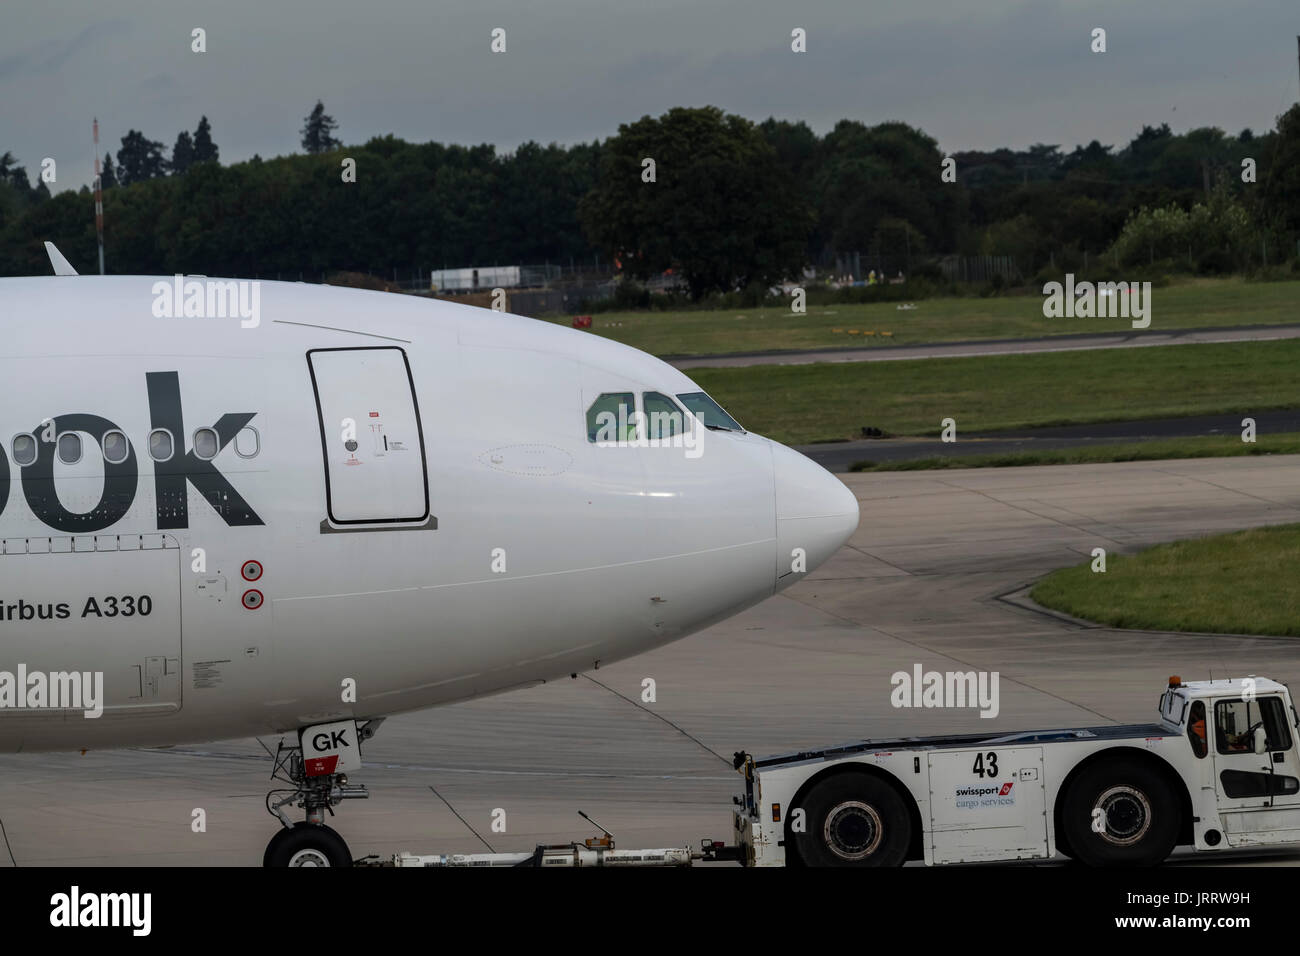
(307, 844)
(310, 842)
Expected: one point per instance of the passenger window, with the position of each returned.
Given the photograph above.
(115, 447)
(663, 418)
(24, 449)
(206, 444)
(612, 418)
(1235, 720)
(709, 412)
(160, 444)
(69, 448)
(1196, 729)
(247, 442)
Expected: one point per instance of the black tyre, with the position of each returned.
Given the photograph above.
(307, 844)
(1139, 820)
(851, 819)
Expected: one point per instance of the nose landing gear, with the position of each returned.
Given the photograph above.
(315, 788)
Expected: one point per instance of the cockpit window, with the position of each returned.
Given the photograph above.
(709, 412)
(664, 418)
(612, 418)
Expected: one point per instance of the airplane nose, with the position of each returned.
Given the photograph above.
(815, 514)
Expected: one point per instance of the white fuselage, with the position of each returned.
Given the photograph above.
(413, 481)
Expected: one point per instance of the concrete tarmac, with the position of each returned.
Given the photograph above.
(841, 456)
(925, 580)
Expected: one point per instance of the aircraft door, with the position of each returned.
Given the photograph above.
(375, 470)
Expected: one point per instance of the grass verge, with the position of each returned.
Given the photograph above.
(802, 404)
(1189, 304)
(1239, 583)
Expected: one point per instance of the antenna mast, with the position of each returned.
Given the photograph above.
(99, 200)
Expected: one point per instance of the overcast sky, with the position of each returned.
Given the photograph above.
(974, 74)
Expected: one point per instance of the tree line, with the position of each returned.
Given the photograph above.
(722, 202)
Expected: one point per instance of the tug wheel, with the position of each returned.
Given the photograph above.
(1121, 812)
(851, 819)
